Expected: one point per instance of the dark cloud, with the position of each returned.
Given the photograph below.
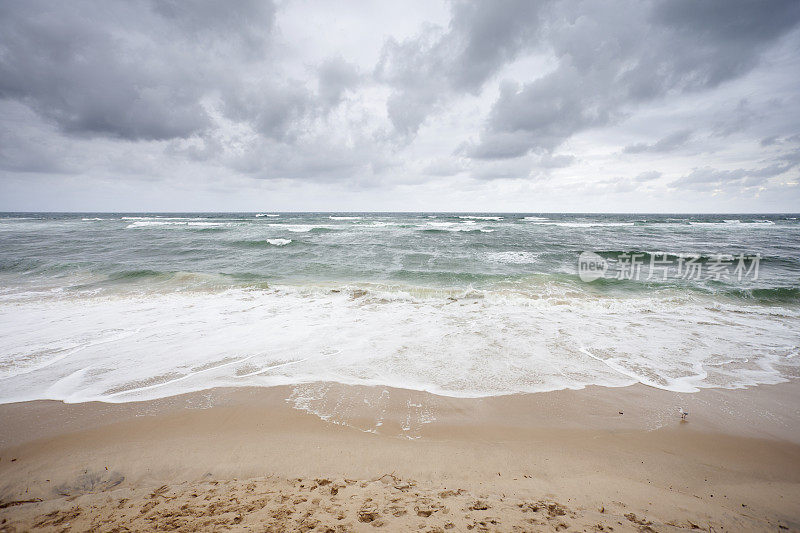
(507, 90)
(610, 60)
(499, 146)
(144, 71)
(275, 111)
(429, 69)
(132, 70)
(666, 144)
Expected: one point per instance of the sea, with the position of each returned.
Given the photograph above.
(121, 307)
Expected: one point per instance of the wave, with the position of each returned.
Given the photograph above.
(344, 218)
(582, 224)
(767, 295)
(442, 227)
(266, 215)
(137, 275)
(159, 218)
(262, 243)
(305, 228)
(731, 223)
(174, 222)
(451, 230)
(473, 217)
(513, 257)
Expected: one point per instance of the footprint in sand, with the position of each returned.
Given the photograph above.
(90, 482)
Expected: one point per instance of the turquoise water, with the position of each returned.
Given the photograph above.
(85, 251)
(121, 307)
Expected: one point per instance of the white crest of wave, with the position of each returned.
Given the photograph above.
(173, 222)
(302, 228)
(583, 224)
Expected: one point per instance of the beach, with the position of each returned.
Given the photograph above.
(597, 459)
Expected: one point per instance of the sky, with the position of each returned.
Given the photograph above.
(492, 106)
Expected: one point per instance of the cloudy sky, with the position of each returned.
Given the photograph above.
(626, 106)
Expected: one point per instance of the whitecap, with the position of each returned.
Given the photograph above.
(302, 228)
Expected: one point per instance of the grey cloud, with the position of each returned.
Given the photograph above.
(666, 144)
(444, 167)
(708, 178)
(485, 35)
(721, 39)
(542, 114)
(435, 65)
(648, 176)
(132, 70)
(200, 75)
(773, 140)
(556, 161)
(247, 24)
(335, 77)
(313, 159)
(210, 92)
(275, 111)
(610, 60)
(502, 145)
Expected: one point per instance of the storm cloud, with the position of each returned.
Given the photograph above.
(522, 105)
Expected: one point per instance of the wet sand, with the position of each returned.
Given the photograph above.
(326, 457)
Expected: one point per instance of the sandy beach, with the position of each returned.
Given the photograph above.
(598, 459)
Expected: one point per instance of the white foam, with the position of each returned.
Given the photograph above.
(121, 348)
(731, 223)
(344, 218)
(266, 215)
(467, 225)
(173, 222)
(279, 242)
(512, 257)
(472, 217)
(146, 223)
(157, 218)
(302, 228)
(583, 224)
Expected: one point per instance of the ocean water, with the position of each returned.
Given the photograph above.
(126, 307)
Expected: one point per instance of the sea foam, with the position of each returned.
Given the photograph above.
(120, 348)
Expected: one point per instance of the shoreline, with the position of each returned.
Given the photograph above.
(735, 464)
